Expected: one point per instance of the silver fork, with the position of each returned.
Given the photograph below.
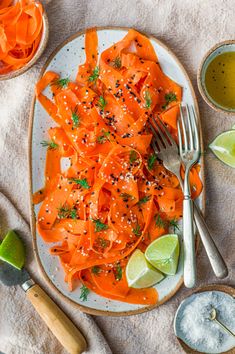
(167, 150)
(189, 150)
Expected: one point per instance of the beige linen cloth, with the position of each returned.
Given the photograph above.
(190, 28)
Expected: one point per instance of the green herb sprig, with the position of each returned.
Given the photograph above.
(61, 83)
(95, 270)
(102, 103)
(102, 242)
(148, 100)
(75, 117)
(99, 226)
(137, 230)
(126, 197)
(174, 223)
(104, 137)
(169, 97)
(65, 212)
(118, 272)
(133, 156)
(82, 182)
(84, 293)
(159, 222)
(94, 76)
(49, 144)
(151, 161)
(144, 200)
(117, 63)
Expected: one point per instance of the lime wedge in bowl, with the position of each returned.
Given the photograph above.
(140, 273)
(224, 147)
(163, 253)
(12, 250)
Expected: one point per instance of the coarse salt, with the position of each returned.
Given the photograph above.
(198, 331)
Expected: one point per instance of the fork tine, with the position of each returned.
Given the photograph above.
(163, 137)
(157, 139)
(159, 121)
(179, 137)
(155, 148)
(196, 137)
(184, 130)
(190, 129)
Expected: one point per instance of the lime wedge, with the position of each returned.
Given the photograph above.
(12, 250)
(224, 147)
(163, 253)
(140, 273)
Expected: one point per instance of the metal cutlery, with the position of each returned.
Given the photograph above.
(167, 150)
(213, 317)
(60, 325)
(189, 150)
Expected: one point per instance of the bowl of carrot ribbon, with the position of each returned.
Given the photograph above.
(23, 36)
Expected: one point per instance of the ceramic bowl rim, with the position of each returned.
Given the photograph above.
(37, 55)
(201, 87)
(226, 288)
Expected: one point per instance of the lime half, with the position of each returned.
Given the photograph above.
(224, 147)
(163, 253)
(140, 273)
(12, 250)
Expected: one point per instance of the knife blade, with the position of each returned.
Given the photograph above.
(60, 325)
(10, 276)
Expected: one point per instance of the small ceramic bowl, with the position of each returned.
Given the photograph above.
(38, 53)
(222, 47)
(222, 288)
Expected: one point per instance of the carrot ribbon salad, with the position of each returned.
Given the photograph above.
(20, 33)
(116, 195)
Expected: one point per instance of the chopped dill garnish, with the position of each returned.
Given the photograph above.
(174, 223)
(82, 182)
(104, 137)
(99, 226)
(73, 214)
(75, 118)
(136, 230)
(103, 242)
(133, 156)
(61, 83)
(148, 100)
(94, 76)
(126, 197)
(144, 199)
(118, 272)
(151, 161)
(65, 212)
(159, 222)
(95, 270)
(49, 144)
(169, 97)
(102, 103)
(84, 293)
(117, 63)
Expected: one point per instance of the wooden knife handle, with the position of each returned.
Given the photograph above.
(60, 325)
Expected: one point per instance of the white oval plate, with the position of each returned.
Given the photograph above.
(65, 61)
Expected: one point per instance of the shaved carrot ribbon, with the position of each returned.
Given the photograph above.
(20, 33)
(115, 195)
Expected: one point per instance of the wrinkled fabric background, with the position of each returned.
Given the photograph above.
(189, 28)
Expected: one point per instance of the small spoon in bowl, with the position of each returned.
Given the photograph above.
(213, 317)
